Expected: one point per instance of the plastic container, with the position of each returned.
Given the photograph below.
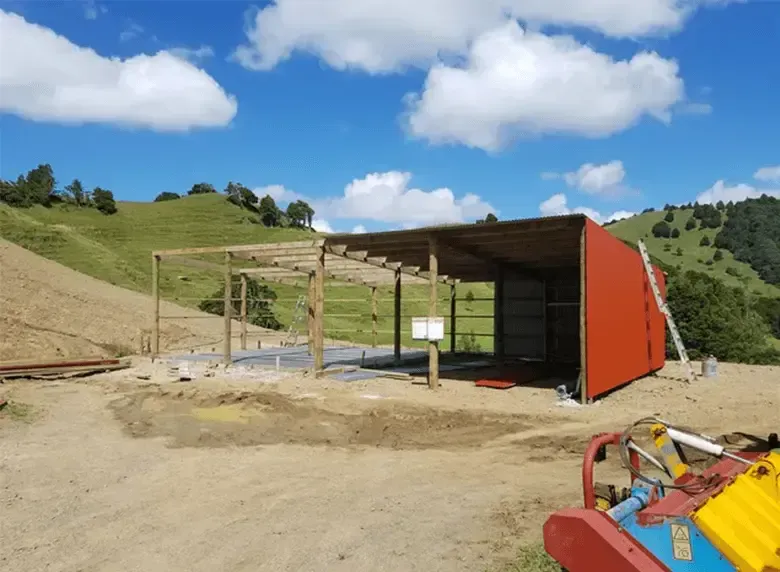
(709, 367)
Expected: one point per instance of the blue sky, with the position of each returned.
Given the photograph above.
(387, 115)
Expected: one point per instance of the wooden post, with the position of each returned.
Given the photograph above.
(243, 311)
(156, 298)
(498, 316)
(310, 313)
(319, 312)
(544, 320)
(453, 300)
(433, 346)
(373, 316)
(228, 307)
(397, 318)
(583, 322)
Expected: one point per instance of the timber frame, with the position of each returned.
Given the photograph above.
(434, 255)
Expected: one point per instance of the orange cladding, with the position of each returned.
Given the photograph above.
(625, 330)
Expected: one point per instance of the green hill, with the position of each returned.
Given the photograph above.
(117, 249)
(693, 256)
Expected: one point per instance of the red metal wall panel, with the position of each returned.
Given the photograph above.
(625, 332)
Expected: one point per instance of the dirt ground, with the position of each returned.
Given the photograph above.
(121, 473)
(49, 311)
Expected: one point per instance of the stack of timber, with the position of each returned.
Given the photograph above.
(38, 368)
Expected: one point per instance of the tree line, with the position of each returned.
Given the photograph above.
(39, 187)
(715, 319)
(704, 216)
(752, 234)
(298, 214)
(720, 320)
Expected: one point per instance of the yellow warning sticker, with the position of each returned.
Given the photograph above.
(681, 542)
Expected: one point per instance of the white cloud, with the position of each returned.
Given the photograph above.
(597, 179)
(722, 192)
(692, 108)
(359, 229)
(558, 205)
(131, 31)
(279, 193)
(92, 10)
(771, 174)
(620, 215)
(380, 36)
(321, 225)
(193, 55)
(518, 83)
(45, 77)
(387, 197)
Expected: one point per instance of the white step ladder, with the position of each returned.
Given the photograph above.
(678, 343)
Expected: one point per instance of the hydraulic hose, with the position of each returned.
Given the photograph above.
(698, 485)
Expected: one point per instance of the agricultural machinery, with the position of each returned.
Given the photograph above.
(672, 517)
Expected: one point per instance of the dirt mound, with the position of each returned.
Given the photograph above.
(245, 419)
(48, 310)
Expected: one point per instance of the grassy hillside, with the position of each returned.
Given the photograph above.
(118, 248)
(694, 257)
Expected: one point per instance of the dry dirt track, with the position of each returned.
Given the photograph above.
(310, 476)
(48, 311)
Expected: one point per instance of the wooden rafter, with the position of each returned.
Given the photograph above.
(363, 257)
(236, 249)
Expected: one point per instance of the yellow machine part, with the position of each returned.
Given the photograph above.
(668, 449)
(743, 520)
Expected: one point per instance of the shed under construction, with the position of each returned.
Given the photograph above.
(567, 292)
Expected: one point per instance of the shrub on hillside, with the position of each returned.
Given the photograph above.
(661, 230)
(489, 218)
(669, 216)
(679, 251)
(690, 224)
(37, 188)
(104, 201)
(718, 256)
(675, 233)
(166, 196)
(705, 241)
(732, 271)
(76, 195)
(259, 310)
(709, 216)
(202, 189)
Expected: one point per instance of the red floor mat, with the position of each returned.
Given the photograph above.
(496, 383)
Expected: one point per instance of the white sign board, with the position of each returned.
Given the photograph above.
(435, 329)
(431, 329)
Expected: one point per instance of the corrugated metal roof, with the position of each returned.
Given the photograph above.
(471, 252)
